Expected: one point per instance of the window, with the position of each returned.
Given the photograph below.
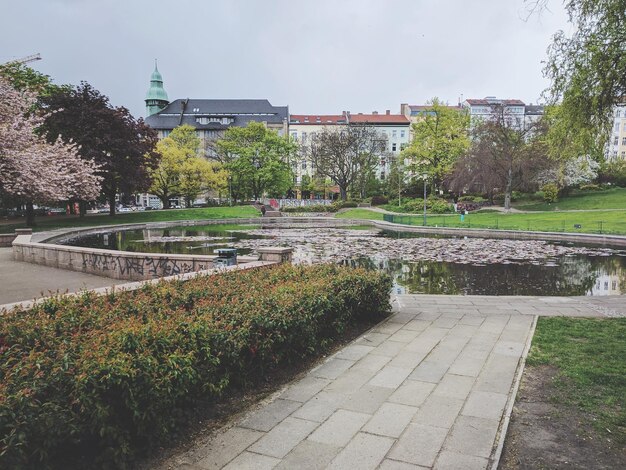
(616, 141)
(382, 175)
(165, 133)
(304, 137)
(402, 134)
(393, 147)
(394, 133)
(623, 140)
(618, 113)
(304, 165)
(294, 135)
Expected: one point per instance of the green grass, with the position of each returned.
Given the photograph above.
(52, 222)
(590, 355)
(360, 214)
(611, 222)
(580, 200)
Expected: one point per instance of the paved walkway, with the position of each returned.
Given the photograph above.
(428, 388)
(25, 281)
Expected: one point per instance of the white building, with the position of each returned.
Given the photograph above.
(394, 127)
(616, 146)
(518, 113)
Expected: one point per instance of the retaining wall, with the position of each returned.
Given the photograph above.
(123, 264)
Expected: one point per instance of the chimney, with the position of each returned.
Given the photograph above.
(374, 112)
(388, 112)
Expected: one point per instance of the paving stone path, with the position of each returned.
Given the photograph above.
(427, 388)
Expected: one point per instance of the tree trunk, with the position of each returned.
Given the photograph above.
(82, 208)
(507, 192)
(165, 200)
(343, 191)
(112, 203)
(30, 214)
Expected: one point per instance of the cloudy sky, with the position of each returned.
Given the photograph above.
(317, 56)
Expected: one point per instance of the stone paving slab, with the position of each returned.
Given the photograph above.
(427, 388)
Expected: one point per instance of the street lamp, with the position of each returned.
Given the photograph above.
(425, 175)
(230, 190)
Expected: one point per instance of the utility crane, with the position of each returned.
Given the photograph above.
(25, 60)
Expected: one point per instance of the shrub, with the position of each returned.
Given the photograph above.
(344, 204)
(379, 200)
(311, 208)
(103, 376)
(590, 187)
(550, 192)
(472, 199)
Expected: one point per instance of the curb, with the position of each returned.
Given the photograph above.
(511, 401)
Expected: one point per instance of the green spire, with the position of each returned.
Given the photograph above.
(156, 97)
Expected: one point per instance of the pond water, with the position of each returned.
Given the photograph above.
(418, 264)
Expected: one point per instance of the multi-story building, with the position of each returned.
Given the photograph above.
(416, 112)
(210, 117)
(302, 128)
(395, 129)
(616, 146)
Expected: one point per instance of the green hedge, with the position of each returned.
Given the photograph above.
(333, 207)
(105, 376)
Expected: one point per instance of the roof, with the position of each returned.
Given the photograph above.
(379, 118)
(489, 101)
(317, 119)
(226, 107)
(242, 111)
(426, 107)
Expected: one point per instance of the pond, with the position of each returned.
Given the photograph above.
(418, 264)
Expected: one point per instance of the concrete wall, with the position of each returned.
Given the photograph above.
(6, 239)
(111, 263)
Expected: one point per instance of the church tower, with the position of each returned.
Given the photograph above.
(156, 97)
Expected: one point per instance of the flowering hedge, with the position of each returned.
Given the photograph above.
(106, 375)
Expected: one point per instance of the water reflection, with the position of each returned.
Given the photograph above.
(564, 275)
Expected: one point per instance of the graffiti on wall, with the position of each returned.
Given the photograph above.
(138, 268)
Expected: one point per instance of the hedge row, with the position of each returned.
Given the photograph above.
(105, 376)
(333, 207)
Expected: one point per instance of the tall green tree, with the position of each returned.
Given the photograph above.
(257, 160)
(587, 68)
(440, 137)
(121, 145)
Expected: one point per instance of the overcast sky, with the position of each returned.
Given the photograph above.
(317, 56)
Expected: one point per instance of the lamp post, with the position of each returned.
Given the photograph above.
(425, 175)
(230, 190)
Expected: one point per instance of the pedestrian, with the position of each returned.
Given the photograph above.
(263, 210)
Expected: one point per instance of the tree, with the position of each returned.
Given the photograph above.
(440, 137)
(31, 169)
(569, 173)
(121, 145)
(257, 160)
(346, 153)
(503, 157)
(588, 68)
(24, 78)
(198, 176)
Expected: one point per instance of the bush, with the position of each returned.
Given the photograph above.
(590, 187)
(104, 376)
(344, 204)
(379, 200)
(472, 199)
(550, 192)
(312, 208)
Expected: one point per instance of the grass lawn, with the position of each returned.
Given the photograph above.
(590, 357)
(360, 214)
(591, 221)
(579, 200)
(52, 222)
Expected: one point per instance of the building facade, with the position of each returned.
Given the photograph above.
(394, 127)
(616, 146)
